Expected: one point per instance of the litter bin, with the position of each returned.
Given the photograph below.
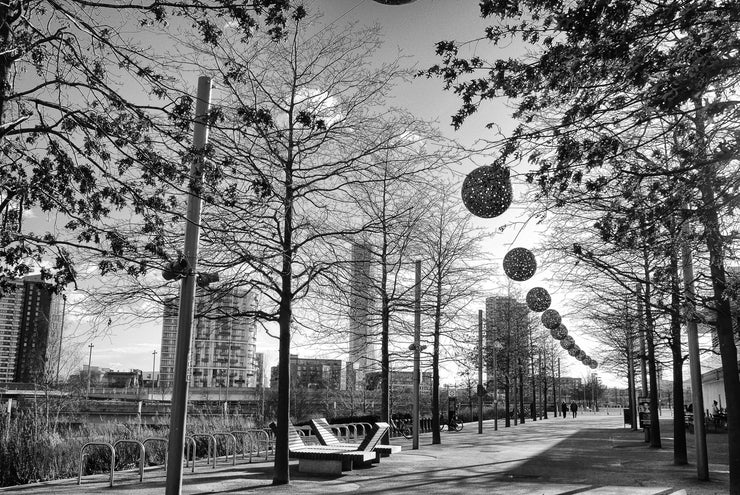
(627, 416)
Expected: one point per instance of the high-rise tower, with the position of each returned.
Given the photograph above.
(506, 319)
(363, 350)
(222, 352)
(30, 322)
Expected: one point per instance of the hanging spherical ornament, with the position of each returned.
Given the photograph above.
(587, 361)
(594, 364)
(551, 319)
(560, 332)
(573, 351)
(486, 191)
(581, 356)
(538, 299)
(519, 264)
(567, 343)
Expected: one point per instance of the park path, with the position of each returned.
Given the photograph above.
(593, 454)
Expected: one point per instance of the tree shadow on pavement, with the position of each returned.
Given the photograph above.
(621, 457)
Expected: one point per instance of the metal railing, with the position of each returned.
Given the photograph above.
(233, 451)
(211, 448)
(142, 454)
(157, 439)
(112, 459)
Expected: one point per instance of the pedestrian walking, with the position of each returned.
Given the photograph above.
(564, 408)
(574, 409)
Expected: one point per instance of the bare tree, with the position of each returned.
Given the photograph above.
(451, 245)
(78, 144)
(298, 130)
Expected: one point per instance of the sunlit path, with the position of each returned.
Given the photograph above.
(593, 454)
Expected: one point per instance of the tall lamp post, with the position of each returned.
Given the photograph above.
(89, 370)
(481, 390)
(154, 367)
(417, 356)
(187, 295)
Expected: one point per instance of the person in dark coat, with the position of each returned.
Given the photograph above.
(574, 409)
(564, 408)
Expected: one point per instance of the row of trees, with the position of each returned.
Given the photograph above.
(628, 117)
(304, 159)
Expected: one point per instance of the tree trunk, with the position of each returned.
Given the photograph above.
(655, 441)
(385, 362)
(436, 437)
(725, 334)
(680, 456)
(521, 390)
(281, 475)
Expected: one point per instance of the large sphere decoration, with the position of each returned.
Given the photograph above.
(519, 264)
(560, 332)
(486, 191)
(573, 351)
(594, 364)
(538, 299)
(551, 319)
(567, 343)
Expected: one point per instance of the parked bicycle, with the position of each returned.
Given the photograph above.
(452, 425)
(400, 427)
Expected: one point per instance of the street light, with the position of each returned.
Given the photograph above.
(89, 363)
(185, 269)
(154, 364)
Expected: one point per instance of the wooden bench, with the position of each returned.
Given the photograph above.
(322, 431)
(322, 459)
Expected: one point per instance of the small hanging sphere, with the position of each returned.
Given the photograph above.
(551, 319)
(587, 361)
(559, 333)
(567, 343)
(538, 299)
(519, 264)
(487, 192)
(581, 355)
(573, 351)
(594, 364)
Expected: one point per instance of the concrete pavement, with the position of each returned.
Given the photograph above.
(592, 454)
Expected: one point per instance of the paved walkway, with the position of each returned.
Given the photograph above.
(593, 454)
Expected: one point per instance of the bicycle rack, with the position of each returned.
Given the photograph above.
(112, 459)
(250, 434)
(233, 456)
(211, 448)
(142, 454)
(366, 428)
(254, 434)
(158, 439)
(343, 431)
(190, 453)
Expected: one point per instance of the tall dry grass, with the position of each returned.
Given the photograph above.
(35, 446)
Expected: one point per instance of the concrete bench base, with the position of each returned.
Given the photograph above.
(321, 466)
(387, 450)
